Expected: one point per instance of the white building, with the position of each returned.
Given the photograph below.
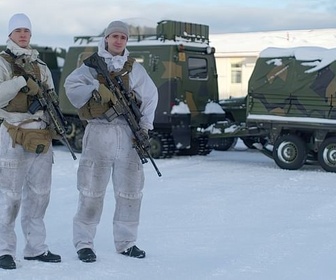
(236, 53)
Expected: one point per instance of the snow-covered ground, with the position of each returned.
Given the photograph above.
(230, 215)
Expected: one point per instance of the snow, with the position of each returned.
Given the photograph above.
(213, 108)
(257, 41)
(319, 57)
(316, 121)
(150, 41)
(210, 108)
(181, 108)
(232, 128)
(230, 215)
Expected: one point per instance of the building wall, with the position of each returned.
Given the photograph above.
(226, 87)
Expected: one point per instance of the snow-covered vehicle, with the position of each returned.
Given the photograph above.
(289, 112)
(292, 96)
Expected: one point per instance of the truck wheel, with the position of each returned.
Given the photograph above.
(226, 143)
(156, 147)
(75, 132)
(192, 150)
(327, 154)
(77, 143)
(162, 145)
(289, 152)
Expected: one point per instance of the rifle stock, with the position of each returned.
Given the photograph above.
(124, 107)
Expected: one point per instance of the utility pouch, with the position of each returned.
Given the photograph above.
(32, 140)
(92, 109)
(18, 104)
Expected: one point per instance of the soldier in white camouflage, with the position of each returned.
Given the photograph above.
(25, 147)
(108, 146)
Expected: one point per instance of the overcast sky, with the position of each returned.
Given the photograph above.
(55, 23)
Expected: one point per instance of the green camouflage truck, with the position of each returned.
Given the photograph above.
(291, 106)
(181, 62)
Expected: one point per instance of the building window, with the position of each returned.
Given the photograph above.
(236, 73)
(197, 68)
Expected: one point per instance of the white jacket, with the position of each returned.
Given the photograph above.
(82, 81)
(10, 86)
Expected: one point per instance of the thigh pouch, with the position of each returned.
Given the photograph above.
(32, 140)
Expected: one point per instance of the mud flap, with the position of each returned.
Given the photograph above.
(181, 130)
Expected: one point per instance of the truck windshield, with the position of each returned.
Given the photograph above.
(197, 68)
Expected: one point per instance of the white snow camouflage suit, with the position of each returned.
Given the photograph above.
(107, 150)
(25, 177)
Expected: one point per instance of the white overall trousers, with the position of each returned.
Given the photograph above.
(25, 182)
(108, 150)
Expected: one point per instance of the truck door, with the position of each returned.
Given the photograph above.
(199, 85)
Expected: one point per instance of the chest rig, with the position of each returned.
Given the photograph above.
(20, 66)
(123, 73)
(92, 108)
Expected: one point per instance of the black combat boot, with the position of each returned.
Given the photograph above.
(7, 262)
(45, 257)
(134, 252)
(86, 255)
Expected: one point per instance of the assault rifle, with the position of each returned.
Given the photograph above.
(45, 100)
(48, 101)
(126, 107)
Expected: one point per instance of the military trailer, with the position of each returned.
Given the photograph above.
(292, 96)
(289, 112)
(182, 65)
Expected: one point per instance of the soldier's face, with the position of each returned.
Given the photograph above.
(116, 43)
(21, 36)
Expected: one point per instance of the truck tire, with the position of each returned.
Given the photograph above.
(327, 154)
(75, 132)
(156, 150)
(290, 152)
(162, 145)
(226, 144)
(77, 143)
(198, 147)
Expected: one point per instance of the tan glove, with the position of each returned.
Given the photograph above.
(106, 95)
(33, 87)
